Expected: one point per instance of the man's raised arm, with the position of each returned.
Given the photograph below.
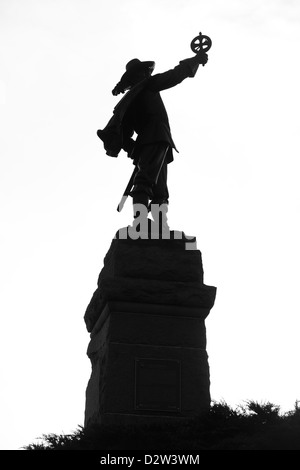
(186, 68)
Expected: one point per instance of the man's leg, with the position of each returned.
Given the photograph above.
(160, 200)
(149, 165)
(159, 203)
(160, 190)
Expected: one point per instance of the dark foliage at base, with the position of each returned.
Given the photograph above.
(251, 427)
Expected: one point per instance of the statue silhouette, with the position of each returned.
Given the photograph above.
(142, 112)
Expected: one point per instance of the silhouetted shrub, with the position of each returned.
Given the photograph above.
(253, 426)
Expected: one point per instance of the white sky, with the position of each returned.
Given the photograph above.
(234, 185)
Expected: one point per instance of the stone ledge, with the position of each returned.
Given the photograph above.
(148, 309)
(148, 291)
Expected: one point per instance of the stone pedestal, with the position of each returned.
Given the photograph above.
(148, 339)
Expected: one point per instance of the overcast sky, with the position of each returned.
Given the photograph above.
(234, 185)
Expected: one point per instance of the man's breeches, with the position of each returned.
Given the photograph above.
(151, 176)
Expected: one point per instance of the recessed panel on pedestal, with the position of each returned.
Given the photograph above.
(157, 385)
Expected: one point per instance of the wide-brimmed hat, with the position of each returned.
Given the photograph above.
(133, 67)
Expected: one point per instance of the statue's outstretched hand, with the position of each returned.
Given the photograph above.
(202, 57)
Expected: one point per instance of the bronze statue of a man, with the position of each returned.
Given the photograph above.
(142, 112)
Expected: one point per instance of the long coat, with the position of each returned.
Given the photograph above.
(142, 111)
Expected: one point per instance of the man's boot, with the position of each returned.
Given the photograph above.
(140, 212)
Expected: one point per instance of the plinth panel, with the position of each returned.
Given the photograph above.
(157, 385)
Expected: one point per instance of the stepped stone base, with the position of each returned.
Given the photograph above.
(148, 339)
